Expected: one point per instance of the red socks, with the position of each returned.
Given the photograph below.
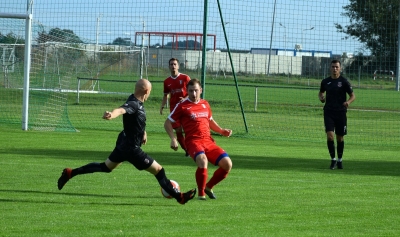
(201, 180)
(202, 175)
(219, 175)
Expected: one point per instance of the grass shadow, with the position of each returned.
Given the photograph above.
(351, 167)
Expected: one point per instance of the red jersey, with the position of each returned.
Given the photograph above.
(194, 118)
(176, 87)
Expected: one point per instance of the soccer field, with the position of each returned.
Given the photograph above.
(261, 64)
(276, 188)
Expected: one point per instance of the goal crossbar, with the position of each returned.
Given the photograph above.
(15, 16)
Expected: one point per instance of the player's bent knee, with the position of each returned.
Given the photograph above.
(226, 164)
(339, 138)
(154, 168)
(201, 161)
(105, 168)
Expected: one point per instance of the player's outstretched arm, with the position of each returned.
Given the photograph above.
(170, 131)
(216, 128)
(113, 114)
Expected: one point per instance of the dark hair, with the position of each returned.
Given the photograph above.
(336, 61)
(173, 59)
(193, 82)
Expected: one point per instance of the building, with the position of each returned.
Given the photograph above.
(292, 52)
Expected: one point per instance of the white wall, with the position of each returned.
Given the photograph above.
(217, 61)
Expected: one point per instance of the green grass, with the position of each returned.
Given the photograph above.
(276, 188)
(282, 113)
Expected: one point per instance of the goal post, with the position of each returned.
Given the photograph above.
(27, 62)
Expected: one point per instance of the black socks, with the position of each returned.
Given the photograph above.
(331, 148)
(340, 148)
(90, 168)
(166, 184)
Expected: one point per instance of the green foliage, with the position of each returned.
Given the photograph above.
(185, 44)
(374, 24)
(14, 41)
(58, 35)
(122, 41)
(11, 38)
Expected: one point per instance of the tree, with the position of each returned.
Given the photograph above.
(189, 44)
(374, 23)
(11, 38)
(58, 35)
(122, 41)
(14, 39)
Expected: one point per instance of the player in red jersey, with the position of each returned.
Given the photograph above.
(195, 116)
(175, 86)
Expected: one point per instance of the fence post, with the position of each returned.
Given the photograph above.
(77, 91)
(255, 98)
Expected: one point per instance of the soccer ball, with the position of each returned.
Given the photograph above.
(176, 187)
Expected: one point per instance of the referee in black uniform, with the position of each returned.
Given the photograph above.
(335, 109)
(128, 145)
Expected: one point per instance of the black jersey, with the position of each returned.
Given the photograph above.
(134, 121)
(336, 90)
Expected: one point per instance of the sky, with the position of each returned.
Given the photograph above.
(248, 24)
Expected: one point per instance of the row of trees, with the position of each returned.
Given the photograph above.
(11, 38)
(54, 35)
(190, 44)
(68, 36)
(58, 35)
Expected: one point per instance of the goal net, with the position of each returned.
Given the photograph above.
(58, 58)
(12, 69)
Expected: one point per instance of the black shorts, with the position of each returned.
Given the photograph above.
(335, 121)
(134, 155)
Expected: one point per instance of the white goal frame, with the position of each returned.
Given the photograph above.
(27, 59)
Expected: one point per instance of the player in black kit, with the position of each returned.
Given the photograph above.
(128, 145)
(335, 109)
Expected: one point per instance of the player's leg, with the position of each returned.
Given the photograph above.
(144, 162)
(331, 147)
(340, 148)
(69, 173)
(201, 174)
(330, 136)
(341, 131)
(158, 171)
(217, 156)
(196, 149)
(225, 166)
(114, 159)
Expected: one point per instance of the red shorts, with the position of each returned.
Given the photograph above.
(208, 147)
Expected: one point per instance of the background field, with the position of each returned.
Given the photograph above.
(280, 112)
(279, 51)
(276, 188)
